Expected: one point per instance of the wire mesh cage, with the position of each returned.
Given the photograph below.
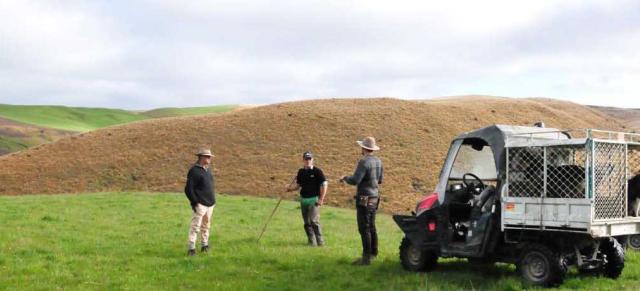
(565, 176)
(552, 171)
(633, 177)
(609, 180)
(525, 171)
(633, 158)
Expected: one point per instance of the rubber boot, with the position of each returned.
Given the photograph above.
(311, 238)
(318, 233)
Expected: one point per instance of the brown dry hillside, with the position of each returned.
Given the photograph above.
(631, 116)
(258, 149)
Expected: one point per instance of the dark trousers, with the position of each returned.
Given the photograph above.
(311, 218)
(367, 229)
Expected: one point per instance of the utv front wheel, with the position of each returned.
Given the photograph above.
(416, 259)
(614, 256)
(539, 265)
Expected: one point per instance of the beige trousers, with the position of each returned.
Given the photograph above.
(200, 222)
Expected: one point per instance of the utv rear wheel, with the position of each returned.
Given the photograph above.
(633, 242)
(539, 265)
(416, 259)
(614, 258)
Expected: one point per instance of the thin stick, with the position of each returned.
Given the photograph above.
(264, 228)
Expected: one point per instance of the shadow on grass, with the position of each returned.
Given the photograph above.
(455, 273)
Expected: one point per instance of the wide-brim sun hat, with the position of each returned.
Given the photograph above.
(204, 152)
(369, 143)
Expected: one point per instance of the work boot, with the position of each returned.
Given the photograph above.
(204, 249)
(191, 253)
(364, 261)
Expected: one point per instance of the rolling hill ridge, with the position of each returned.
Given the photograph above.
(24, 126)
(258, 149)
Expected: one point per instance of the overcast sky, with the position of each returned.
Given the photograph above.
(144, 54)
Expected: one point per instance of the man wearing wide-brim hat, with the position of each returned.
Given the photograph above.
(200, 190)
(367, 176)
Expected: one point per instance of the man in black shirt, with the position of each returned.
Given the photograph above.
(313, 188)
(200, 190)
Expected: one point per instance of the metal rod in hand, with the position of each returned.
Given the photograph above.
(264, 228)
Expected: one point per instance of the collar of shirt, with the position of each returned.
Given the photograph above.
(201, 166)
(308, 168)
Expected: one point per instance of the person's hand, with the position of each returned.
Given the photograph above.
(342, 180)
(319, 203)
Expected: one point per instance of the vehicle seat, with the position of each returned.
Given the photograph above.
(483, 201)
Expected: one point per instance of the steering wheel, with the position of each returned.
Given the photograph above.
(472, 185)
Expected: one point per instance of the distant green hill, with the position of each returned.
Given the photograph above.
(186, 111)
(24, 126)
(9, 144)
(171, 111)
(68, 118)
(86, 119)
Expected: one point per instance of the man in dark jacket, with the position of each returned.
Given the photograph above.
(313, 188)
(367, 176)
(200, 190)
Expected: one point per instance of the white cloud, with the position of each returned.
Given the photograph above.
(143, 54)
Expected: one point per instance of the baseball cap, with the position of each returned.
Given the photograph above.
(307, 155)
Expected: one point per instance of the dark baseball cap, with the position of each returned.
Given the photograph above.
(307, 155)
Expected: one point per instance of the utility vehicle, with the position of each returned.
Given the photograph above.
(535, 197)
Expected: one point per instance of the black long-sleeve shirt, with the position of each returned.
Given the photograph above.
(200, 187)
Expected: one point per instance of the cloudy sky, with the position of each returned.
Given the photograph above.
(140, 54)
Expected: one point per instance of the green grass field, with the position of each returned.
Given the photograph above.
(137, 241)
(170, 112)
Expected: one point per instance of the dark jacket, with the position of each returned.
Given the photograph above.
(368, 176)
(200, 187)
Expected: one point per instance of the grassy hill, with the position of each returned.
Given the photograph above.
(258, 149)
(68, 118)
(630, 116)
(186, 111)
(137, 241)
(16, 136)
(25, 126)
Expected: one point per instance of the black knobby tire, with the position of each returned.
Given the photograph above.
(540, 265)
(614, 258)
(416, 259)
(633, 242)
